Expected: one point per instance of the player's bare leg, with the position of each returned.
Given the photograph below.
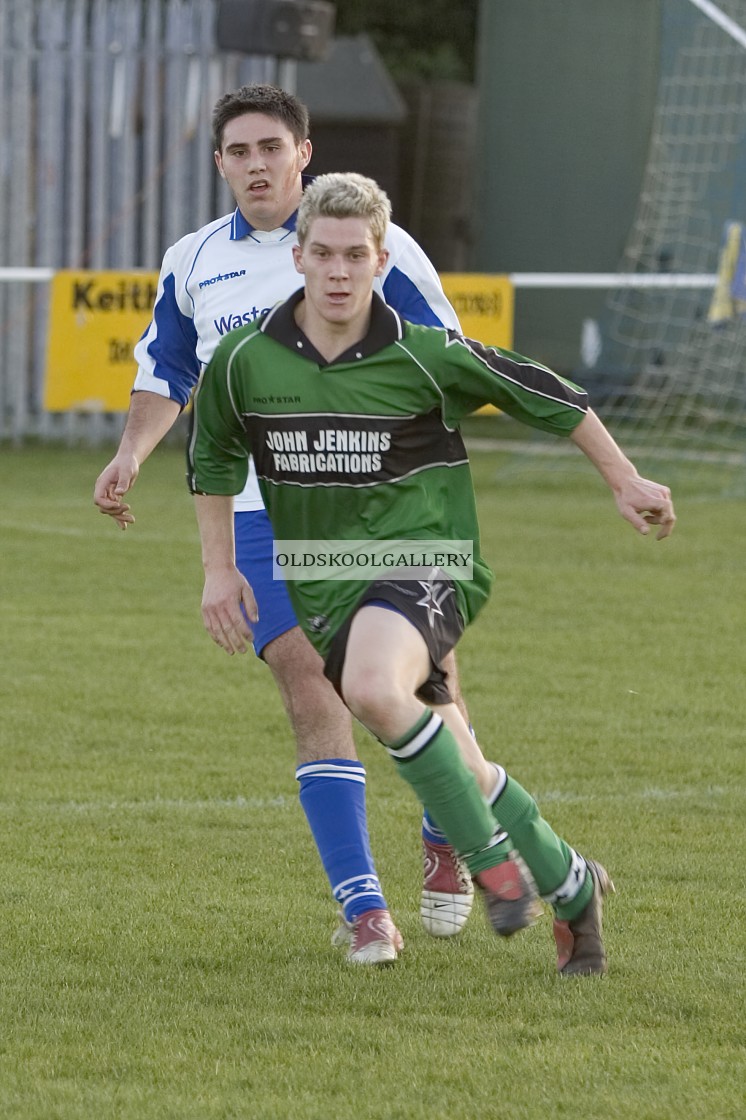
(386, 663)
(332, 794)
(321, 723)
(449, 666)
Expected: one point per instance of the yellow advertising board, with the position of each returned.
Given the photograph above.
(95, 319)
(484, 305)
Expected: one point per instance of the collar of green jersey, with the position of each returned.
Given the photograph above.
(385, 328)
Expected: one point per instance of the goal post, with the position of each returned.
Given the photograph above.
(722, 19)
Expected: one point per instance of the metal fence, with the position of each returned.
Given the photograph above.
(105, 159)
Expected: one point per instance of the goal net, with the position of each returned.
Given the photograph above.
(670, 366)
(665, 364)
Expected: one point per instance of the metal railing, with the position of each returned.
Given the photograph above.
(105, 160)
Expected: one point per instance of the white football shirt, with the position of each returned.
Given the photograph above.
(226, 274)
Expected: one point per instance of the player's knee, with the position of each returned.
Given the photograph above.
(370, 694)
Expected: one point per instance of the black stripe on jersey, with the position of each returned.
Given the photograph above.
(527, 374)
(312, 449)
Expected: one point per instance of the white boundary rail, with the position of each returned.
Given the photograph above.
(518, 279)
(24, 416)
(612, 280)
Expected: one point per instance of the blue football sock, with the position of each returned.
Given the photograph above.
(430, 830)
(332, 793)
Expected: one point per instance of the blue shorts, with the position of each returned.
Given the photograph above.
(254, 539)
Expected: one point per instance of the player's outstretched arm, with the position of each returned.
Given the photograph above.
(150, 417)
(226, 591)
(639, 500)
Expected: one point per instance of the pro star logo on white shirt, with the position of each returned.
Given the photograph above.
(436, 593)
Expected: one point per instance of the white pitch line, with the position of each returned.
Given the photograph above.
(47, 530)
(70, 531)
(652, 793)
(157, 804)
(283, 802)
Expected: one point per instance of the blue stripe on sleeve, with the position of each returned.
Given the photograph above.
(406, 298)
(174, 348)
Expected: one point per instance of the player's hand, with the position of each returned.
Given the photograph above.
(112, 484)
(225, 594)
(644, 503)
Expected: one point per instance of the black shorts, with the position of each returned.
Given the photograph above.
(430, 606)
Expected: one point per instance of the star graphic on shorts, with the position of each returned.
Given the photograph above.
(436, 593)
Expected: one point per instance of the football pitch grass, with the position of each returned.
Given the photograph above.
(164, 921)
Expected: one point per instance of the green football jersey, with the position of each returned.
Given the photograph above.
(366, 447)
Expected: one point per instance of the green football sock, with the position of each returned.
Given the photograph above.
(429, 760)
(556, 867)
(501, 845)
(498, 851)
(569, 910)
